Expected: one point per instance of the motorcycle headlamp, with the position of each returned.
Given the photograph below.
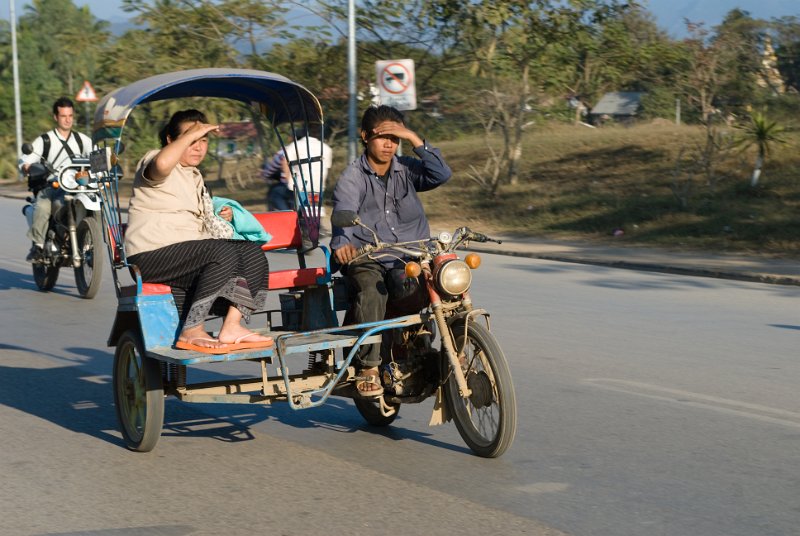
(454, 277)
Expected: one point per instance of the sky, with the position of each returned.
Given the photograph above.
(669, 14)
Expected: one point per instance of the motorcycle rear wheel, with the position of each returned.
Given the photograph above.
(138, 394)
(45, 277)
(370, 409)
(90, 272)
(487, 420)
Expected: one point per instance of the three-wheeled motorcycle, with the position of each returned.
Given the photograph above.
(440, 348)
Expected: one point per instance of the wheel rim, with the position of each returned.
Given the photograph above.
(482, 409)
(132, 391)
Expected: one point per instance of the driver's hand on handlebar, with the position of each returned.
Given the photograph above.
(345, 254)
(25, 168)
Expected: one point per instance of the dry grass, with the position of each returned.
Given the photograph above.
(577, 182)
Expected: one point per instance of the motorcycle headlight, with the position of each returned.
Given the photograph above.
(454, 277)
(68, 179)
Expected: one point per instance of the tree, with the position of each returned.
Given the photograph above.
(763, 134)
(68, 38)
(708, 68)
(787, 49)
(741, 38)
(508, 42)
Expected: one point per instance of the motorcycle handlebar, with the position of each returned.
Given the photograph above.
(478, 237)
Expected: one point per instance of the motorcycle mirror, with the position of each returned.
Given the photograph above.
(344, 218)
(27, 148)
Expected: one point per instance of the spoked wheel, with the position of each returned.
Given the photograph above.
(45, 276)
(370, 409)
(138, 394)
(487, 420)
(90, 242)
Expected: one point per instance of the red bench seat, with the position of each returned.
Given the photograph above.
(285, 230)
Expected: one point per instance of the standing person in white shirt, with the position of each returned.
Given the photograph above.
(298, 154)
(56, 147)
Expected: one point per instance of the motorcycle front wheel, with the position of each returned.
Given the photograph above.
(90, 243)
(45, 277)
(369, 408)
(138, 394)
(487, 419)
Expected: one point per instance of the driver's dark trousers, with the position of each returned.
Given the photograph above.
(368, 294)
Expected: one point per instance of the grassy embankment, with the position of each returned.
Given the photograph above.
(585, 183)
(582, 183)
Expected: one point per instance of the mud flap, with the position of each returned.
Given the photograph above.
(440, 414)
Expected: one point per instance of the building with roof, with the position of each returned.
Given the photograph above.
(617, 105)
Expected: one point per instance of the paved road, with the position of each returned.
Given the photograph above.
(649, 404)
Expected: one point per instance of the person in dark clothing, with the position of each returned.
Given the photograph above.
(382, 189)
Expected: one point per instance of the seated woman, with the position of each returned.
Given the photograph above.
(170, 240)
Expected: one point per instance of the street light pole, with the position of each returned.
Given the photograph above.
(351, 79)
(14, 62)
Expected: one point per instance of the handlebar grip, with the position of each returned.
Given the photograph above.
(478, 237)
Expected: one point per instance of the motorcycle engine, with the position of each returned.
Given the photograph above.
(415, 363)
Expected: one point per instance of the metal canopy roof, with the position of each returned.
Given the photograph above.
(281, 99)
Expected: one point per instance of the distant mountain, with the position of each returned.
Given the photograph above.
(670, 14)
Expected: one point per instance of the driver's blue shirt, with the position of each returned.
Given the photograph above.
(393, 210)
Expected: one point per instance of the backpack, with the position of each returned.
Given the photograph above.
(46, 144)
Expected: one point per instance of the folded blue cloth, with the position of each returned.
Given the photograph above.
(245, 225)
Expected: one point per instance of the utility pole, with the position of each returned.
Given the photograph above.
(14, 62)
(351, 80)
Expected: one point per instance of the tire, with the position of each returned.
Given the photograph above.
(138, 394)
(369, 409)
(45, 277)
(90, 244)
(487, 420)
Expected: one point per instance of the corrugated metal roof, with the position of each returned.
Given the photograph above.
(619, 103)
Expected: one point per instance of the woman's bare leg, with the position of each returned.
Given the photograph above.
(232, 329)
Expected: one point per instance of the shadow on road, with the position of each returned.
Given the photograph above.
(78, 399)
(12, 279)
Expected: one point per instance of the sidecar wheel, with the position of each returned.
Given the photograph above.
(90, 243)
(45, 277)
(487, 420)
(371, 411)
(138, 394)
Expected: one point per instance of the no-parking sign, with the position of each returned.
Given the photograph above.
(396, 83)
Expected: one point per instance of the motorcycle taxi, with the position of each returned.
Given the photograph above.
(443, 349)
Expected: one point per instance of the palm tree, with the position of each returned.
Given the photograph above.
(762, 133)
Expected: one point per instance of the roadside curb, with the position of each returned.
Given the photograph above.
(659, 267)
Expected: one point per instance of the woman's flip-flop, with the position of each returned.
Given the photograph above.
(190, 345)
(242, 344)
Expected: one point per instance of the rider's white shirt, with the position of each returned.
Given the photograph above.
(57, 155)
(305, 148)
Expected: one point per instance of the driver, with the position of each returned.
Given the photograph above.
(57, 147)
(382, 189)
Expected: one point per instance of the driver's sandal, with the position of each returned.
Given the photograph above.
(371, 380)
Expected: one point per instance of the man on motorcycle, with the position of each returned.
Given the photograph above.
(57, 147)
(382, 189)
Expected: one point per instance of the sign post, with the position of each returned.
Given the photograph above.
(86, 95)
(396, 83)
